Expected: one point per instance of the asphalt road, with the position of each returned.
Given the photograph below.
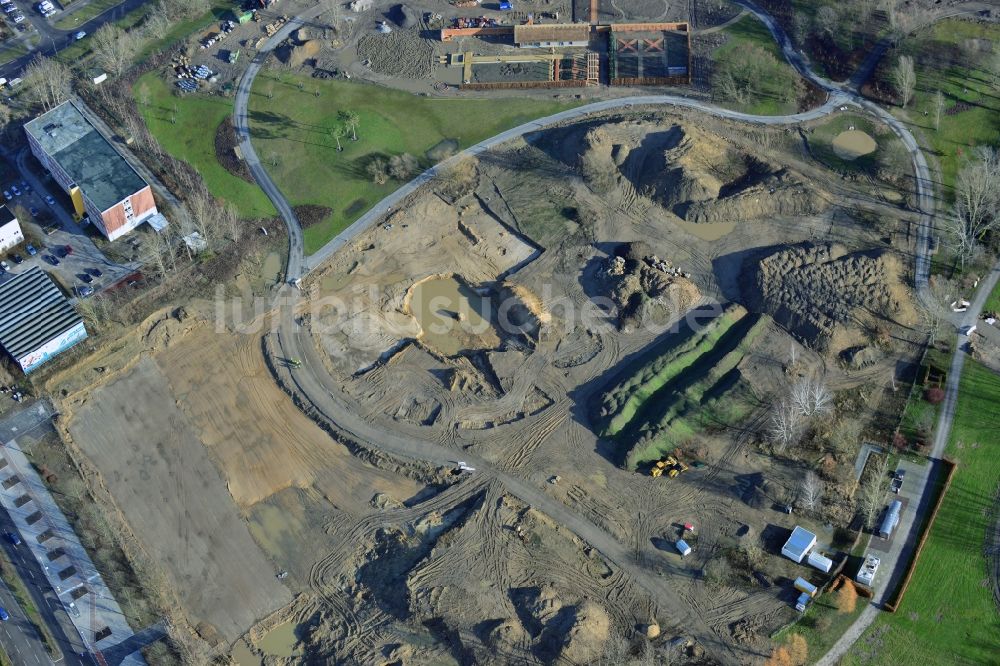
(320, 389)
(18, 635)
(51, 610)
(53, 39)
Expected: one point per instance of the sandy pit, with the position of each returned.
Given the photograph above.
(852, 144)
(452, 316)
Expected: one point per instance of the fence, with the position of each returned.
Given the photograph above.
(893, 604)
(503, 85)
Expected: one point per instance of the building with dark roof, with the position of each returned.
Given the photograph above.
(97, 177)
(37, 322)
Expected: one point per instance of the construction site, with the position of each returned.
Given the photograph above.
(519, 312)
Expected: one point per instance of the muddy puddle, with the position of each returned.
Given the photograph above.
(852, 144)
(707, 232)
(243, 656)
(280, 641)
(452, 316)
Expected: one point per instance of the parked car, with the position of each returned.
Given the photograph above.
(897, 480)
(31, 249)
(86, 278)
(14, 538)
(16, 190)
(49, 200)
(85, 291)
(34, 212)
(18, 259)
(4, 615)
(4, 265)
(51, 258)
(18, 18)
(25, 186)
(6, 195)
(96, 272)
(79, 35)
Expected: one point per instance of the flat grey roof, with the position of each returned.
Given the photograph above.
(32, 312)
(85, 155)
(800, 540)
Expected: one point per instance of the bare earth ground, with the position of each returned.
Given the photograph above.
(226, 482)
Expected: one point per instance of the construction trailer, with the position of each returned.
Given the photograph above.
(799, 544)
(868, 570)
(891, 519)
(682, 547)
(802, 585)
(818, 561)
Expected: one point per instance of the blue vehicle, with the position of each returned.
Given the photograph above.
(31, 250)
(14, 538)
(4, 615)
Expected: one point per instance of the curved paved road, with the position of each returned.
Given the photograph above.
(320, 389)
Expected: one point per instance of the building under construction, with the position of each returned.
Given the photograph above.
(575, 55)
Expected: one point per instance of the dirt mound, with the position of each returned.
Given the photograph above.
(400, 53)
(402, 16)
(645, 287)
(584, 641)
(820, 292)
(696, 175)
(295, 56)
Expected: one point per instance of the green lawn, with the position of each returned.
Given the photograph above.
(70, 20)
(993, 302)
(959, 74)
(291, 136)
(772, 82)
(822, 624)
(890, 154)
(948, 615)
(192, 139)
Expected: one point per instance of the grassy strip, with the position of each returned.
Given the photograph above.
(185, 127)
(70, 20)
(993, 301)
(948, 615)
(691, 409)
(649, 379)
(291, 118)
(822, 624)
(20, 592)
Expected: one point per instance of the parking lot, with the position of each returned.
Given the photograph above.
(63, 249)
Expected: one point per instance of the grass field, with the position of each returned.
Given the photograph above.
(70, 20)
(943, 64)
(291, 134)
(993, 302)
(772, 81)
(948, 615)
(192, 139)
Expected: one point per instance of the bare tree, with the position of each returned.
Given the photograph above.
(904, 76)
(811, 491)
(338, 132)
(810, 396)
(157, 23)
(351, 121)
(938, 109)
(873, 492)
(401, 167)
(47, 82)
(114, 48)
(784, 425)
(5, 115)
(826, 19)
(977, 202)
(231, 223)
(845, 435)
(378, 170)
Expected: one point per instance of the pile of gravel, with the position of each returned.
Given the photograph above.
(400, 53)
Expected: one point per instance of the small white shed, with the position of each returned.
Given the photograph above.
(820, 562)
(682, 547)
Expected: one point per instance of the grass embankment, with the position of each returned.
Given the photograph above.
(948, 615)
(948, 58)
(72, 19)
(687, 388)
(822, 624)
(291, 118)
(993, 301)
(185, 127)
(768, 84)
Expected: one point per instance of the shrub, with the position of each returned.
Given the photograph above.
(935, 395)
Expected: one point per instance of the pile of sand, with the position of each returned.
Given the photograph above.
(645, 287)
(820, 292)
(696, 175)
